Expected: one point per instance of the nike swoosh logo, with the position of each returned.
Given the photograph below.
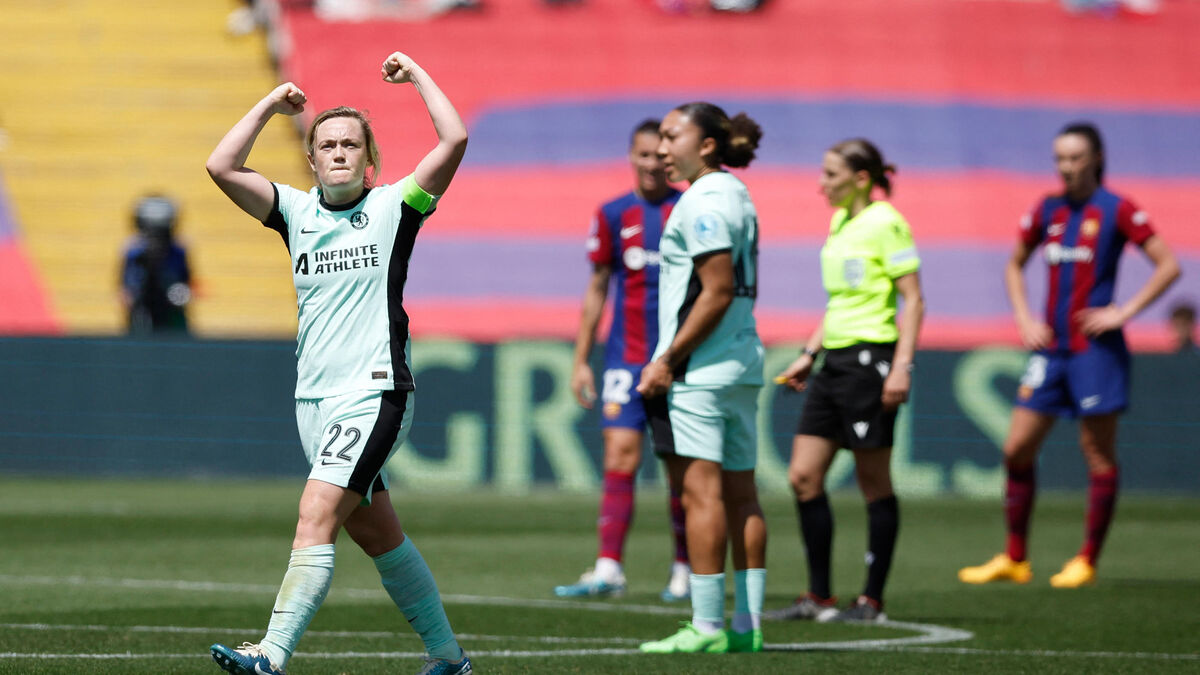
(276, 611)
(627, 232)
(304, 231)
(326, 462)
(258, 669)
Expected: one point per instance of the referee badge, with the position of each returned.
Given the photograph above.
(359, 220)
(853, 271)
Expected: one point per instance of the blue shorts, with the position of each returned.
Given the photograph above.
(622, 406)
(1079, 384)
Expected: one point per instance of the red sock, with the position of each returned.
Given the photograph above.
(678, 528)
(1102, 501)
(1018, 506)
(616, 514)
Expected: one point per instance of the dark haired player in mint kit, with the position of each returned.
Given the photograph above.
(702, 386)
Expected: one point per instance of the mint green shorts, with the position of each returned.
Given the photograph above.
(718, 424)
(348, 438)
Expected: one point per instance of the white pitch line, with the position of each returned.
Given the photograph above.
(929, 634)
(968, 651)
(507, 653)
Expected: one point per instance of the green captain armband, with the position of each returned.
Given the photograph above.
(414, 196)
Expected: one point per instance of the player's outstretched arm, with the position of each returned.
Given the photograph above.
(227, 163)
(435, 171)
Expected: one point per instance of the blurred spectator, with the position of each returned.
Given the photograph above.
(156, 283)
(1113, 7)
(1183, 328)
(697, 6)
(244, 20)
(736, 5)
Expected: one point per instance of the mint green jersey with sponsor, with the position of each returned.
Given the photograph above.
(860, 262)
(714, 215)
(349, 265)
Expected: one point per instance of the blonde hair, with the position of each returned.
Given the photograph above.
(374, 161)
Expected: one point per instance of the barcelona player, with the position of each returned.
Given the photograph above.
(1080, 363)
(623, 248)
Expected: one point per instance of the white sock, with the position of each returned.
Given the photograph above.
(708, 602)
(309, 574)
(608, 569)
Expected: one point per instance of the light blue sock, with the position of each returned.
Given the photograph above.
(708, 602)
(309, 574)
(748, 589)
(410, 583)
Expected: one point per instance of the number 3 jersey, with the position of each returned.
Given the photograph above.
(714, 215)
(349, 265)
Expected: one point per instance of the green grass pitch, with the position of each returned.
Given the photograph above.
(140, 577)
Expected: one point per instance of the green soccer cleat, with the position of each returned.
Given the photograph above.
(689, 641)
(750, 641)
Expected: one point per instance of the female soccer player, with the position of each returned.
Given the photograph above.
(350, 242)
(1080, 364)
(707, 371)
(623, 247)
(868, 259)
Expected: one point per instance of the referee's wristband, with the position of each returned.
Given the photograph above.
(809, 351)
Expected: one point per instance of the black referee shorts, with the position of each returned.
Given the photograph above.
(844, 402)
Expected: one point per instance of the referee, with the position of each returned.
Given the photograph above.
(868, 259)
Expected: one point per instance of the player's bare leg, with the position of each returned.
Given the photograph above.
(703, 502)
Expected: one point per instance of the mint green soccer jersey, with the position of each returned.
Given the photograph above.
(715, 214)
(349, 265)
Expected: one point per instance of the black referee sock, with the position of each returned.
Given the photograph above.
(816, 528)
(883, 522)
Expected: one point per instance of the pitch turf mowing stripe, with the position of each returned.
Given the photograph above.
(316, 633)
(356, 593)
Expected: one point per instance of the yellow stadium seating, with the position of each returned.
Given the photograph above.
(104, 101)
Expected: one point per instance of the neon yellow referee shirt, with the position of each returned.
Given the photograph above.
(860, 262)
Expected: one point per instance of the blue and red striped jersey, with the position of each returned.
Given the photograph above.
(625, 235)
(1082, 244)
